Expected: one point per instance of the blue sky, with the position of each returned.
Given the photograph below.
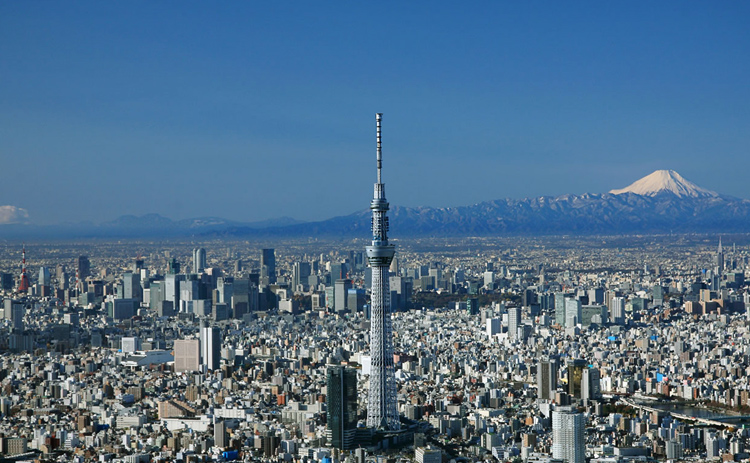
(253, 110)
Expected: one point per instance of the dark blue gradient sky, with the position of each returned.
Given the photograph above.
(252, 110)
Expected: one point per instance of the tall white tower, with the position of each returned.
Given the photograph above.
(382, 409)
(567, 435)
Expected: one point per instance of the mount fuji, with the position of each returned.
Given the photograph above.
(661, 202)
(666, 181)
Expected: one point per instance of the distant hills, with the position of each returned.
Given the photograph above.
(661, 202)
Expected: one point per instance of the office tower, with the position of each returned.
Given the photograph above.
(382, 409)
(575, 377)
(617, 307)
(341, 406)
(173, 267)
(224, 290)
(573, 312)
(341, 295)
(241, 297)
(514, 322)
(199, 260)
(268, 265)
(300, 273)
(546, 379)
(596, 296)
(590, 385)
(355, 300)
(6, 281)
(493, 326)
(84, 267)
(23, 281)
(220, 433)
(131, 286)
(210, 346)
(130, 344)
(338, 272)
(560, 309)
(567, 435)
(45, 278)
(187, 355)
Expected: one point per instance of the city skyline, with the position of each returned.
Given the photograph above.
(139, 111)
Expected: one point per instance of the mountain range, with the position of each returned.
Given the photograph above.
(662, 202)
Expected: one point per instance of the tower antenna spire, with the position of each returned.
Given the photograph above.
(378, 118)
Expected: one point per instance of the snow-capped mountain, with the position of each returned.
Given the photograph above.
(666, 181)
(662, 202)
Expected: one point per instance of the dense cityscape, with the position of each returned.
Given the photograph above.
(603, 349)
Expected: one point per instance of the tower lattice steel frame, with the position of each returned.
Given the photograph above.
(382, 409)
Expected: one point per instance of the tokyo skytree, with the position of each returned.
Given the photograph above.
(382, 409)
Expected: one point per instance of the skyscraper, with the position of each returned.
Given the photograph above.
(575, 377)
(84, 267)
(514, 321)
(268, 265)
(199, 260)
(210, 346)
(567, 435)
(591, 388)
(382, 411)
(546, 379)
(341, 406)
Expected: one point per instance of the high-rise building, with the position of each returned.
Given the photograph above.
(84, 267)
(567, 435)
(514, 321)
(300, 273)
(560, 309)
(617, 307)
(45, 277)
(382, 411)
(210, 346)
(341, 295)
(187, 355)
(546, 379)
(268, 265)
(131, 286)
(573, 312)
(341, 406)
(199, 260)
(575, 377)
(591, 388)
(220, 433)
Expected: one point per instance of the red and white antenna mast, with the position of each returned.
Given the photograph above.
(23, 283)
